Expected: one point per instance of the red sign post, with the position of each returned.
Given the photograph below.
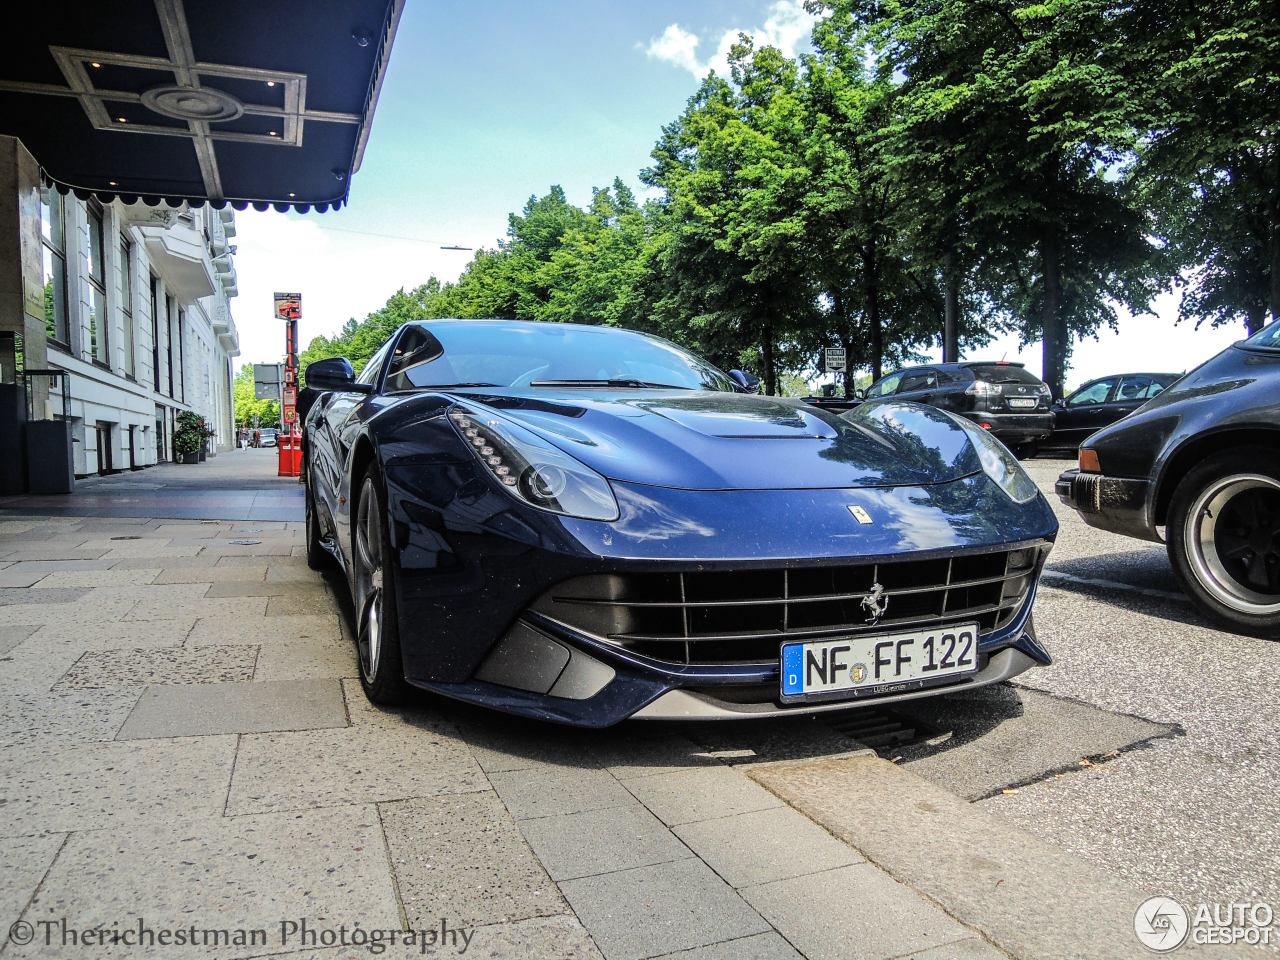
(289, 309)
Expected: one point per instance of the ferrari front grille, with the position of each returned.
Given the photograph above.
(710, 617)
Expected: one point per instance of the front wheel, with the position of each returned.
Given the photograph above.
(1224, 540)
(377, 620)
(316, 553)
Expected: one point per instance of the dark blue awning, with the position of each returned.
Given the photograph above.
(243, 102)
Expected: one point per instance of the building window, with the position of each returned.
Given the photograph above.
(168, 331)
(126, 304)
(182, 367)
(95, 279)
(53, 233)
(155, 336)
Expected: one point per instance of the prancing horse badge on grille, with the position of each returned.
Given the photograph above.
(859, 514)
(875, 603)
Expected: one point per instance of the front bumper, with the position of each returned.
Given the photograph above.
(1118, 504)
(472, 564)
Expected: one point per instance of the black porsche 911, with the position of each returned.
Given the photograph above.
(585, 524)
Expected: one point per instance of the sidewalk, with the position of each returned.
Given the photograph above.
(183, 740)
(235, 485)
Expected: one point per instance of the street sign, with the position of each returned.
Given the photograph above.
(288, 306)
(266, 381)
(835, 359)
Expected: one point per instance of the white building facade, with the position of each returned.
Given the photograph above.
(137, 312)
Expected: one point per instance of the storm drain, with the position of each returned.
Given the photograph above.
(882, 730)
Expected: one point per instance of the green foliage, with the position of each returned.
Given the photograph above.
(247, 407)
(189, 434)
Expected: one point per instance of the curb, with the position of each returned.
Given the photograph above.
(1028, 897)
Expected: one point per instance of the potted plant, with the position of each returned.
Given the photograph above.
(188, 438)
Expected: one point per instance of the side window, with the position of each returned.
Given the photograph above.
(1094, 393)
(885, 386)
(370, 372)
(918, 380)
(1138, 388)
(415, 347)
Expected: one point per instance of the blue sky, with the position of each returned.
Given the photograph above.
(486, 104)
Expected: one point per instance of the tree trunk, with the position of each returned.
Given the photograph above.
(841, 311)
(1053, 322)
(951, 308)
(766, 353)
(1275, 274)
(871, 266)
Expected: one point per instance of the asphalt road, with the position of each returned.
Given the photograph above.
(1180, 717)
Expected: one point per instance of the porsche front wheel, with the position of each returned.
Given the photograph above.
(377, 623)
(1224, 540)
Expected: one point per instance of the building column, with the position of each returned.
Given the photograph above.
(21, 269)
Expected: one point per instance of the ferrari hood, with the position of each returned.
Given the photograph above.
(723, 441)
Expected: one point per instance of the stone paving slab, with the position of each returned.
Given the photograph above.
(168, 563)
(601, 841)
(687, 796)
(764, 846)
(306, 659)
(329, 866)
(18, 578)
(761, 946)
(198, 607)
(12, 595)
(89, 611)
(21, 674)
(360, 764)
(217, 708)
(313, 590)
(45, 567)
(162, 665)
(299, 606)
(25, 861)
(660, 909)
(461, 857)
(50, 720)
(108, 635)
(259, 630)
(98, 578)
(549, 791)
(857, 912)
(88, 786)
(212, 574)
(13, 634)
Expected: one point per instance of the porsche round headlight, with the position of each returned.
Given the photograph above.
(999, 463)
(541, 475)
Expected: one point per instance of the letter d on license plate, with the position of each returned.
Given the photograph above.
(885, 663)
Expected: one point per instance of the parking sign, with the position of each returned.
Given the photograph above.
(835, 359)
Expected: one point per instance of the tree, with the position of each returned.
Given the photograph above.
(1045, 121)
(1209, 75)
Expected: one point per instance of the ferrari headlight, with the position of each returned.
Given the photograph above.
(999, 464)
(528, 467)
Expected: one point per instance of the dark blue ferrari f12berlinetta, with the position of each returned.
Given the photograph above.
(585, 524)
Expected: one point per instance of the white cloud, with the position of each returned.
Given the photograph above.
(787, 27)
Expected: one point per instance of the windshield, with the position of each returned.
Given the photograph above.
(1268, 338)
(1004, 373)
(543, 355)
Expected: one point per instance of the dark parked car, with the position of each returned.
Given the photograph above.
(1100, 403)
(1201, 460)
(585, 524)
(1001, 397)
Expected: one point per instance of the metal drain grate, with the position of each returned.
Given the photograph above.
(882, 730)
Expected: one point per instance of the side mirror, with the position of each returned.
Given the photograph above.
(334, 373)
(745, 381)
(860, 394)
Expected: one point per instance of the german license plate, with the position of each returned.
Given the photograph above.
(1022, 403)
(879, 664)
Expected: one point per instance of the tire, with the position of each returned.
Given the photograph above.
(1224, 540)
(374, 592)
(317, 556)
